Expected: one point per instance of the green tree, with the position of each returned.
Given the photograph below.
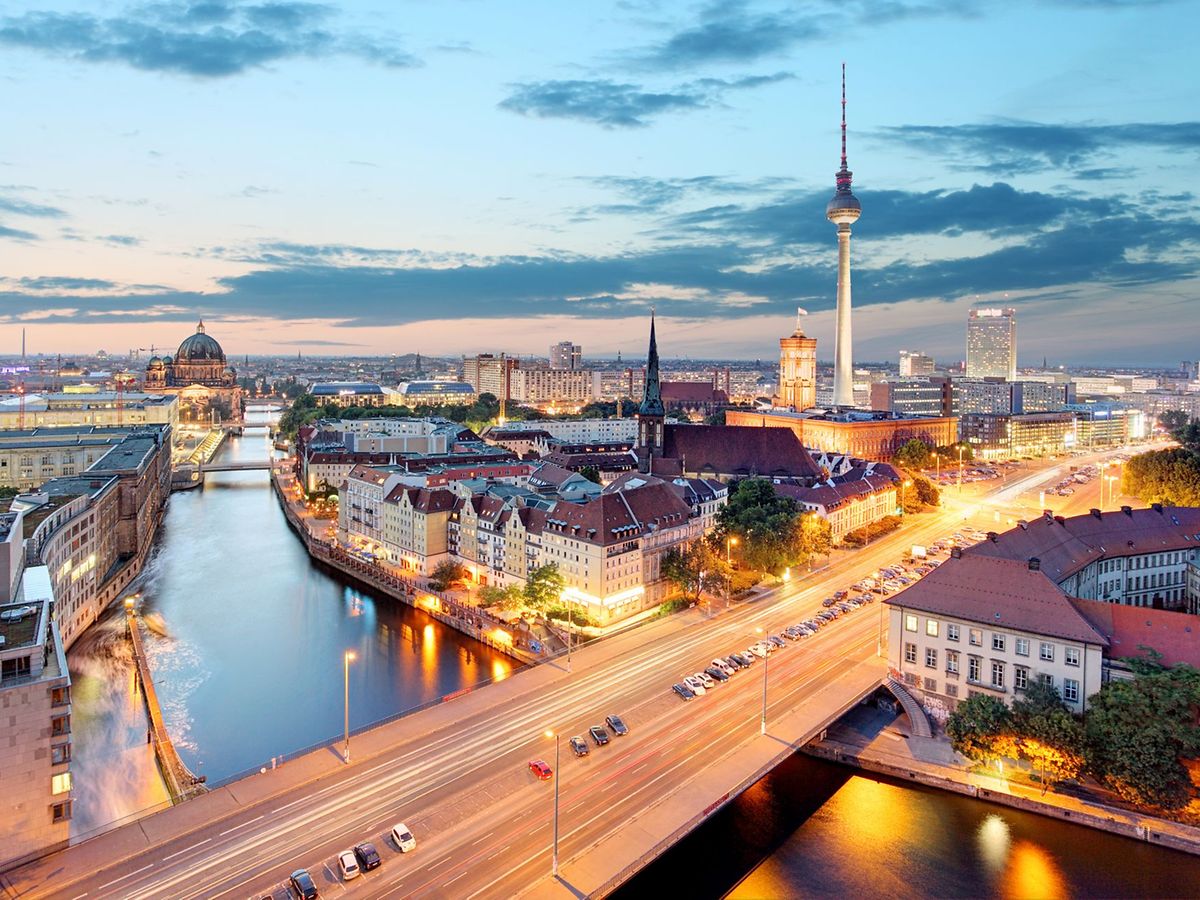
(1047, 734)
(1138, 731)
(695, 569)
(591, 473)
(812, 536)
(1188, 435)
(980, 728)
(503, 598)
(949, 452)
(915, 454)
(1172, 419)
(544, 586)
(763, 523)
(447, 573)
(1164, 476)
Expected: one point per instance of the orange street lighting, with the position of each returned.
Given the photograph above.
(348, 657)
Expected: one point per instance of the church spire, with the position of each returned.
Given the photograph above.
(652, 404)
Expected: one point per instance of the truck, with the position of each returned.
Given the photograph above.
(918, 552)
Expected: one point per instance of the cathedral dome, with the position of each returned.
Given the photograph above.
(155, 363)
(200, 348)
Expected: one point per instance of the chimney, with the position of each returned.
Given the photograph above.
(956, 552)
(1095, 512)
(1128, 510)
(992, 536)
(1061, 520)
(1024, 526)
(1035, 564)
(1157, 507)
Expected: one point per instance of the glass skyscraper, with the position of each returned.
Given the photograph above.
(992, 343)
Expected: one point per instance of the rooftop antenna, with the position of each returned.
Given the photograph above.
(843, 115)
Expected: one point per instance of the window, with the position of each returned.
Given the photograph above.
(910, 653)
(1020, 678)
(1046, 651)
(931, 627)
(931, 684)
(1071, 656)
(59, 754)
(1046, 678)
(951, 632)
(976, 637)
(952, 661)
(930, 658)
(61, 783)
(60, 696)
(973, 668)
(952, 690)
(997, 674)
(1070, 690)
(998, 642)
(62, 811)
(1022, 646)
(910, 622)
(60, 725)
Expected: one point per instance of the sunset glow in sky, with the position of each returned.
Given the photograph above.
(462, 176)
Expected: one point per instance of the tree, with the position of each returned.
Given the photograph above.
(980, 727)
(1138, 731)
(1172, 419)
(949, 452)
(915, 454)
(591, 473)
(694, 569)
(503, 598)
(1047, 734)
(543, 586)
(763, 523)
(446, 573)
(1188, 435)
(812, 535)
(1164, 476)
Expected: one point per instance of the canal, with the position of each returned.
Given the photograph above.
(815, 829)
(246, 641)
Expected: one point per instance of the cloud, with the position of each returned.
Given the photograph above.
(1016, 147)
(617, 105)
(121, 240)
(204, 40)
(16, 234)
(23, 208)
(646, 194)
(60, 283)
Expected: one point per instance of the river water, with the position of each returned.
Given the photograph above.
(246, 641)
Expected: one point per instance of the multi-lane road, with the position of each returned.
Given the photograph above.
(457, 774)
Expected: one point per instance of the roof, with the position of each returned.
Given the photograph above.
(602, 461)
(1000, 593)
(1067, 545)
(833, 496)
(692, 392)
(742, 450)
(1175, 635)
(551, 475)
(615, 518)
(336, 388)
(436, 387)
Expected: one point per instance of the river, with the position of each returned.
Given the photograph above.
(246, 639)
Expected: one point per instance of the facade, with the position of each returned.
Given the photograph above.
(915, 364)
(434, 393)
(565, 355)
(992, 343)
(349, 393)
(34, 456)
(615, 384)
(415, 524)
(693, 398)
(996, 395)
(105, 408)
(551, 387)
(1108, 425)
(993, 436)
(847, 504)
(797, 370)
(490, 374)
(35, 696)
(931, 396)
(200, 377)
(574, 431)
(872, 435)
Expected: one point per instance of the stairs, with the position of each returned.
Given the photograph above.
(917, 719)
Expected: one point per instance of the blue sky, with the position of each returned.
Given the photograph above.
(465, 176)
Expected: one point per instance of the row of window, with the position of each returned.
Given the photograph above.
(1070, 686)
(1021, 646)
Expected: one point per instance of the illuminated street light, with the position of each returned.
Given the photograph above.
(347, 657)
(557, 777)
(906, 483)
(762, 729)
(729, 543)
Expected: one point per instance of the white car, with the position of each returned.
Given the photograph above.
(759, 650)
(403, 838)
(706, 680)
(348, 865)
(695, 685)
(723, 666)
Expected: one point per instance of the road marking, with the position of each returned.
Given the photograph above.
(456, 877)
(502, 850)
(482, 839)
(186, 849)
(243, 825)
(639, 768)
(80, 897)
(123, 877)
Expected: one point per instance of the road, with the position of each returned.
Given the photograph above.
(457, 774)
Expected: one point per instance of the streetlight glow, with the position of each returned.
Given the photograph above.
(348, 657)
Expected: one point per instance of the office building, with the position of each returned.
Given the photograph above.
(349, 393)
(1003, 397)
(864, 434)
(797, 369)
(551, 387)
(992, 343)
(1012, 436)
(105, 408)
(433, 393)
(915, 364)
(490, 374)
(932, 396)
(565, 355)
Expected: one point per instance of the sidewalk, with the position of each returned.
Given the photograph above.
(892, 750)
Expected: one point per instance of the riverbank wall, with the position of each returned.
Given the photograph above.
(180, 781)
(471, 621)
(1122, 822)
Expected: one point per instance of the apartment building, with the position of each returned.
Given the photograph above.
(106, 409)
(415, 524)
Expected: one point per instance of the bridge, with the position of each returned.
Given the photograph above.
(457, 772)
(258, 465)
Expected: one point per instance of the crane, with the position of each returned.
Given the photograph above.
(135, 350)
(21, 406)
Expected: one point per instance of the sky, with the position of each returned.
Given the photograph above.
(466, 176)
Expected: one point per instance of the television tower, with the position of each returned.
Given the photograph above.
(843, 211)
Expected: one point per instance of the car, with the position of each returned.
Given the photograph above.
(725, 665)
(367, 856)
(825, 617)
(578, 746)
(793, 633)
(840, 595)
(828, 602)
(705, 680)
(746, 658)
(540, 769)
(617, 724)
(776, 640)
(404, 839)
(845, 607)
(599, 735)
(716, 674)
(348, 865)
(695, 685)
(758, 650)
(302, 883)
(683, 691)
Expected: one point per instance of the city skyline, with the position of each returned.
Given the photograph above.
(672, 156)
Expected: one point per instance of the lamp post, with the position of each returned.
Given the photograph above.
(557, 776)
(347, 657)
(961, 448)
(570, 623)
(729, 543)
(879, 637)
(762, 727)
(906, 483)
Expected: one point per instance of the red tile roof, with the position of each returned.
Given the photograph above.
(684, 392)
(739, 450)
(1175, 635)
(1000, 593)
(614, 518)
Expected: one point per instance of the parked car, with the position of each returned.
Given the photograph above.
(683, 691)
(776, 640)
(301, 882)
(617, 724)
(540, 769)
(695, 685)
(367, 856)
(828, 602)
(578, 746)
(599, 735)
(705, 680)
(745, 658)
(840, 595)
(717, 674)
(729, 668)
(404, 839)
(348, 865)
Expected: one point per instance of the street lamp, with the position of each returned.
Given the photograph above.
(729, 542)
(906, 483)
(961, 448)
(762, 728)
(348, 657)
(557, 777)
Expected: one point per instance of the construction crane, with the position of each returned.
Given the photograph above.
(21, 406)
(151, 348)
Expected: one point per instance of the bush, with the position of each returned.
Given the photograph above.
(868, 533)
(574, 615)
